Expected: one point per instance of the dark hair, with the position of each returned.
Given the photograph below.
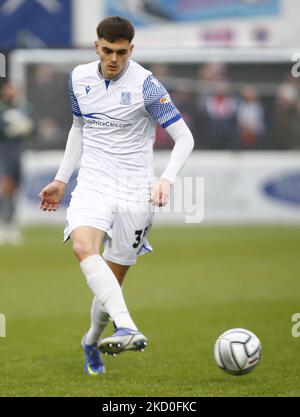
(115, 27)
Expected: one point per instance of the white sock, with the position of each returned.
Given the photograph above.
(107, 290)
(99, 320)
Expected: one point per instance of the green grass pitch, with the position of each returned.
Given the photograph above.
(199, 282)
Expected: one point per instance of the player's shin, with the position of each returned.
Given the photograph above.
(99, 320)
(107, 290)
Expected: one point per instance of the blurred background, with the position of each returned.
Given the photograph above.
(230, 66)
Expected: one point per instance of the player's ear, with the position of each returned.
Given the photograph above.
(131, 49)
(96, 45)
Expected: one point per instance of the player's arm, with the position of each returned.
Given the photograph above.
(184, 144)
(159, 104)
(52, 194)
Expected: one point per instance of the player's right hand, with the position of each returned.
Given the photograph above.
(161, 193)
(51, 196)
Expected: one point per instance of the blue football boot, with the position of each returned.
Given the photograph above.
(93, 364)
(123, 339)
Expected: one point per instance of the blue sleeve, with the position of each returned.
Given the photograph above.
(158, 102)
(74, 103)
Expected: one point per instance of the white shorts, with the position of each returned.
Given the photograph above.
(126, 223)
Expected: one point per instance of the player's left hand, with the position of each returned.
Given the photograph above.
(51, 195)
(161, 193)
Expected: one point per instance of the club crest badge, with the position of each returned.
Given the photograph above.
(125, 98)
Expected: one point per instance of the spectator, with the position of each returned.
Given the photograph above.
(15, 126)
(251, 119)
(48, 134)
(48, 93)
(218, 115)
(285, 132)
(209, 75)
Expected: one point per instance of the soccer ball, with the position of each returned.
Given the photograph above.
(237, 351)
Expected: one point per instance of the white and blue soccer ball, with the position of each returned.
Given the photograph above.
(237, 351)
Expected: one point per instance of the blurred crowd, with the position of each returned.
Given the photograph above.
(224, 112)
(228, 115)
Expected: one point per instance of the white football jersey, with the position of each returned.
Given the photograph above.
(120, 117)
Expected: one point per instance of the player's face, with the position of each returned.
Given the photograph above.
(113, 56)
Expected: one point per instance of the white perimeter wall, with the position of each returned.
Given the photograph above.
(239, 188)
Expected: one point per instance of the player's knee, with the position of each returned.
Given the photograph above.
(83, 249)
